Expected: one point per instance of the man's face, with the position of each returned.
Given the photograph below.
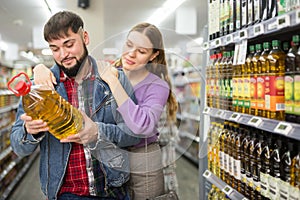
(70, 51)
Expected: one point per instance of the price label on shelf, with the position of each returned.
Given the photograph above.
(283, 128)
(243, 34)
(227, 190)
(255, 121)
(234, 117)
(218, 42)
(220, 113)
(206, 174)
(229, 39)
(206, 110)
(283, 21)
(258, 29)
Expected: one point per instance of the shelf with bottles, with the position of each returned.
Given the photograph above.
(288, 129)
(225, 188)
(276, 25)
(14, 173)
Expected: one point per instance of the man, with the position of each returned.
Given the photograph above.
(87, 165)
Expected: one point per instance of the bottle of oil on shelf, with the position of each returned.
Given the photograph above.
(272, 8)
(222, 138)
(227, 155)
(247, 80)
(222, 17)
(210, 146)
(264, 10)
(240, 86)
(245, 161)
(238, 14)
(294, 190)
(297, 87)
(231, 152)
(256, 161)
(265, 166)
(274, 101)
(229, 81)
(275, 161)
(215, 149)
(253, 79)
(244, 13)
(236, 166)
(238, 158)
(290, 68)
(40, 102)
(232, 16)
(222, 81)
(257, 11)
(235, 95)
(285, 169)
(261, 80)
(250, 4)
(217, 80)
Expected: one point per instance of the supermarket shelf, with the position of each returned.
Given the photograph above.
(19, 176)
(287, 129)
(187, 154)
(6, 152)
(8, 108)
(229, 191)
(189, 135)
(287, 20)
(5, 130)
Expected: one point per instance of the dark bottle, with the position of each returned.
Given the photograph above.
(285, 169)
(222, 138)
(272, 8)
(250, 19)
(257, 8)
(285, 47)
(275, 162)
(256, 163)
(244, 13)
(265, 166)
(295, 174)
(245, 161)
(264, 10)
(290, 68)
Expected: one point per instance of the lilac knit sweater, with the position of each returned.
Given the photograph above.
(142, 118)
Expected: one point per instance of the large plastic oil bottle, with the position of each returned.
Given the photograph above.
(40, 102)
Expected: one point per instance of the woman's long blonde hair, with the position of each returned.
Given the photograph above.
(158, 66)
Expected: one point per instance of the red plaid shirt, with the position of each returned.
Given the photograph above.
(76, 177)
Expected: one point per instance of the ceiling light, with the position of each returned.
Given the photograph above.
(164, 11)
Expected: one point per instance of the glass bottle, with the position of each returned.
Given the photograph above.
(253, 79)
(247, 80)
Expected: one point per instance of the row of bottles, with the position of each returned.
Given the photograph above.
(267, 84)
(216, 194)
(227, 16)
(258, 164)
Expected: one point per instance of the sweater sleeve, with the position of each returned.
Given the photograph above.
(142, 118)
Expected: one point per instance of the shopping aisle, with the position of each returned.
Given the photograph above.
(187, 175)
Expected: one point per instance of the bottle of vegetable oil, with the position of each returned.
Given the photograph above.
(40, 102)
(297, 87)
(238, 158)
(290, 68)
(221, 149)
(229, 81)
(274, 97)
(294, 190)
(247, 80)
(261, 80)
(253, 79)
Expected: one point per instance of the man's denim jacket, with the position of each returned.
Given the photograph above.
(54, 155)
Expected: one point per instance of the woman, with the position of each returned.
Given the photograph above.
(143, 61)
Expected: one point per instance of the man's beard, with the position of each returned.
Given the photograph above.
(72, 72)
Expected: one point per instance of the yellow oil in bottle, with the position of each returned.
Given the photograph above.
(221, 149)
(40, 102)
(262, 80)
(235, 100)
(241, 94)
(274, 97)
(229, 80)
(253, 80)
(238, 158)
(247, 80)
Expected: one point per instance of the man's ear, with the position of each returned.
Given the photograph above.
(86, 38)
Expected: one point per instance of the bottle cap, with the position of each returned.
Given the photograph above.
(22, 87)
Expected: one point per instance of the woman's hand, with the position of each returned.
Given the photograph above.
(42, 75)
(88, 134)
(108, 72)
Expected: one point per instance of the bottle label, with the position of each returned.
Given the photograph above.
(273, 187)
(289, 94)
(237, 169)
(253, 92)
(294, 193)
(221, 157)
(260, 93)
(226, 162)
(274, 96)
(264, 184)
(284, 190)
(297, 95)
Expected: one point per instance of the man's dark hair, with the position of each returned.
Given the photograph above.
(60, 23)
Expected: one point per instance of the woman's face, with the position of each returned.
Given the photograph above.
(137, 52)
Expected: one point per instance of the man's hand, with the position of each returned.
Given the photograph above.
(88, 134)
(42, 75)
(34, 126)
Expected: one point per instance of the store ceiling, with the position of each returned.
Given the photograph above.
(18, 18)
